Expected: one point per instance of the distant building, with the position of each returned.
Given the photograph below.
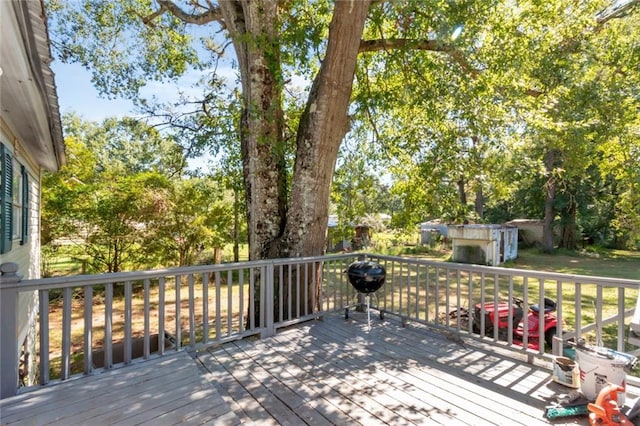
(529, 231)
(432, 230)
(483, 244)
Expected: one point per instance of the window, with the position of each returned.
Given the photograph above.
(14, 201)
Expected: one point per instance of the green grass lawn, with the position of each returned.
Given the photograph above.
(603, 263)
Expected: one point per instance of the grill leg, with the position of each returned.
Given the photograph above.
(368, 297)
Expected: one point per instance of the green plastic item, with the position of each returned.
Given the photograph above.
(558, 412)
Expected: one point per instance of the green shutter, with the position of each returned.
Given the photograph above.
(25, 205)
(6, 200)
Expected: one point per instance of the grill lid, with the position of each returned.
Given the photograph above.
(366, 276)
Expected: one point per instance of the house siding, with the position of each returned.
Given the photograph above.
(26, 254)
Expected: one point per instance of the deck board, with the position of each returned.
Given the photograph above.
(446, 391)
(166, 390)
(387, 374)
(332, 372)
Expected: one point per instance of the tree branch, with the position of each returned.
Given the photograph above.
(147, 19)
(617, 9)
(432, 45)
(211, 13)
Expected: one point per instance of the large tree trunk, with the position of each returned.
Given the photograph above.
(254, 30)
(276, 229)
(323, 125)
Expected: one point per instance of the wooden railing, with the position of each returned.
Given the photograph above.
(91, 322)
(442, 294)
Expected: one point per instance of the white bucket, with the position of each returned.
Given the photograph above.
(599, 367)
(566, 372)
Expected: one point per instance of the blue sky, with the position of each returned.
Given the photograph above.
(77, 94)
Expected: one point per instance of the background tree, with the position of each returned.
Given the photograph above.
(278, 217)
(463, 88)
(196, 216)
(122, 202)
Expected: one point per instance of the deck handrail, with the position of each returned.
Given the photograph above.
(197, 306)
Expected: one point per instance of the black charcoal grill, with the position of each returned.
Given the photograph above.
(366, 277)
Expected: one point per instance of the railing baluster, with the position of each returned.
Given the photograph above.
(108, 326)
(541, 315)
(410, 292)
(483, 312)
(525, 309)
(298, 290)
(65, 371)
(598, 315)
(281, 286)
(318, 276)
(88, 329)
(192, 312)
(511, 326)
(400, 288)
(241, 301)
(205, 307)
(306, 289)
(289, 292)
(161, 310)
(458, 298)
(229, 303)
(470, 304)
(436, 301)
(252, 299)
(496, 301)
(218, 306)
(559, 317)
(427, 303)
(621, 326)
(266, 280)
(128, 295)
(447, 308)
(44, 337)
(178, 310)
(332, 302)
(392, 290)
(146, 352)
(417, 306)
(578, 305)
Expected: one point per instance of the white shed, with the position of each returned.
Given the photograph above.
(431, 230)
(483, 244)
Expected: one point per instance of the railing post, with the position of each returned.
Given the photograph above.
(268, 302)
(9, 351)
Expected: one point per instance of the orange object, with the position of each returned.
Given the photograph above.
(605, 411)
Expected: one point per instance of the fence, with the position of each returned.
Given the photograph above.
(91, 322)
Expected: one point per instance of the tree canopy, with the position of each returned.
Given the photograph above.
(479, 110)
(121, 202)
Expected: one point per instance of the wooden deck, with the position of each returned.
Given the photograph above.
(164, 391)
(330, 372)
